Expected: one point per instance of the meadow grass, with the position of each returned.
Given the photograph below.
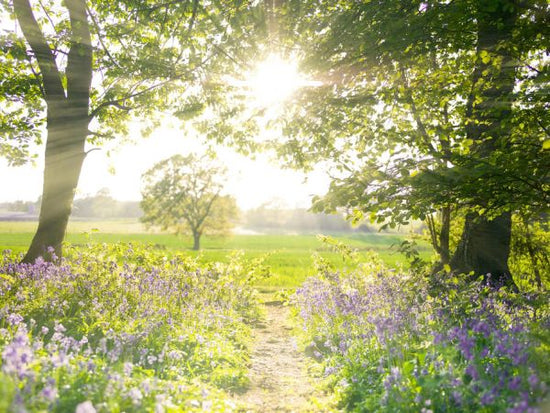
(290, 257)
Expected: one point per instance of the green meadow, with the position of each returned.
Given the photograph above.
(289, 257)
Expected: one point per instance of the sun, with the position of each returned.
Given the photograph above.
(275, 79)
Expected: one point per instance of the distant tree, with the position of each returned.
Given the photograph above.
(278, 219)
(101, 205)
(184, 194)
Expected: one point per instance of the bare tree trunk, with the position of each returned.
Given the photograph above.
(485, 248)
(444, 235)
(63, 163)
(532, 254)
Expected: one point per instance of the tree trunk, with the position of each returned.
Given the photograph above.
(440, 237)
(444, 236)
(484, 249)
(196, 240)
(63, 163)
(484, 246)
(532, 254)
(67, 120)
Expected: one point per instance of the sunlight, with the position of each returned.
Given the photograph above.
(274, 80)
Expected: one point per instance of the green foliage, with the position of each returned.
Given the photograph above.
(288, 256)
(338, 246)
(127, 328)
(145, 58)
(529, 260)
(404, 114)
(20, 122)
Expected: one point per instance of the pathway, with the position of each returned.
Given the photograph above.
(279, 380)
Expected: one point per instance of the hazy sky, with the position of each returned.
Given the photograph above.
(252, 182)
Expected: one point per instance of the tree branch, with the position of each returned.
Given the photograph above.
(544, 128)
(91, 150)
(51, 78)
(96, 25)
(118, 102)
(47, 14)
(416, 115)
(37, 76)
(208, 207)
(193, 15)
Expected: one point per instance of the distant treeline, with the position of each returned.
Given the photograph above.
(266, 219)
(103, 205)
(100, 205)
(27, 207)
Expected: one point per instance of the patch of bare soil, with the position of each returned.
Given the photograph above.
(279, 380)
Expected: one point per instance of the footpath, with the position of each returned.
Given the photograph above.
(279, 380)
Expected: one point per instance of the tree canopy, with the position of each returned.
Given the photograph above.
(426, 107)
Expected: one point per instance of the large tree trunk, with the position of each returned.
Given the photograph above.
(67, 119)
(484, 249)
(63, 163)
(484, 246)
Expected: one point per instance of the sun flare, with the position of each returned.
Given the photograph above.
(275, 79)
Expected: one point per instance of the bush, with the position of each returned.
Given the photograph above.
(530, 254)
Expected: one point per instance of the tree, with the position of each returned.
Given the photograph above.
(428, 107)
(184, 194)
(84, 69)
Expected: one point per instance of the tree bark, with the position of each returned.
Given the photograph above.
(440, 236)
(484, 246)
(532, 254)
(67, 123)
(63, 163)
(196, 240)
(444, 235)
(484, 249)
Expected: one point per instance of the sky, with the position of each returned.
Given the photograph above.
(252, 182)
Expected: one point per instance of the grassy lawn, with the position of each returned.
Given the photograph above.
(289, 256)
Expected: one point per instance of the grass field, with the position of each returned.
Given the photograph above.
(289, 256)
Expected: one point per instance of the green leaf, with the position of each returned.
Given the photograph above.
(485, 56)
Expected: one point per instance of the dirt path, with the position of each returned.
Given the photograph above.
(279, 380)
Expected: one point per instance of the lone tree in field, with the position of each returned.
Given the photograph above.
(184, 194)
